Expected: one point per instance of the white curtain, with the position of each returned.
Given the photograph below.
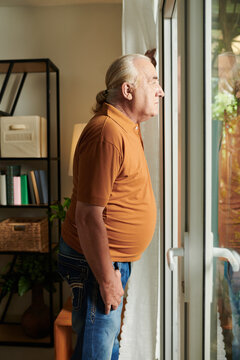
(140, 336)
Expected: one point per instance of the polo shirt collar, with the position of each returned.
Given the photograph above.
(117, 116)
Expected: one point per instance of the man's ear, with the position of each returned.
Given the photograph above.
(127, 91)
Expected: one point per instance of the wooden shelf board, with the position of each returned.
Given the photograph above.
(19, 252)
(14, 333)
(29, 66)
(40, 206)
(54, 158)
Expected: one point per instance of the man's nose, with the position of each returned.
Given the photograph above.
(160, 92)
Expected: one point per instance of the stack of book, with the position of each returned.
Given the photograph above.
(17, 188)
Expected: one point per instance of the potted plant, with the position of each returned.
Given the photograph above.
(34, 272)
(224, 107)
(31, 272)
(58, 211)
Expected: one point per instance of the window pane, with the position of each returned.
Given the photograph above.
(226, 175)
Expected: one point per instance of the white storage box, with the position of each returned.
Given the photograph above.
(23, 136)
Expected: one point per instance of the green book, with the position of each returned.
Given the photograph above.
(12, 170)
(24, 190)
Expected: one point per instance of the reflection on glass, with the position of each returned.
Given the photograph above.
(226, 174)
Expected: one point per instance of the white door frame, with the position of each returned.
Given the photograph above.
(196, 174)
(174, 173)
(208, 279)
(192, 84)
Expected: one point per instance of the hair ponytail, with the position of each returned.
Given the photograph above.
(100, 99)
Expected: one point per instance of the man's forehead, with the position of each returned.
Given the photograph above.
(146, 68)
(149, 74)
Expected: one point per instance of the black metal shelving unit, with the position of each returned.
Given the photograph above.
(11, 334)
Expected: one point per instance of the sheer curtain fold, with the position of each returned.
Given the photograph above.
(140, 335)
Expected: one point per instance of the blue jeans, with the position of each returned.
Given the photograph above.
(97, 333)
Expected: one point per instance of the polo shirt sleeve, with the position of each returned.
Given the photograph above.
(98, 167)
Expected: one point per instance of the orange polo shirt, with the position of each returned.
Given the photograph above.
(110, 170)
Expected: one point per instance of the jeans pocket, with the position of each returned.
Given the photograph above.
(75, 272)
(125, 270)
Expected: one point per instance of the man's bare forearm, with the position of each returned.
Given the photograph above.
(94, 243)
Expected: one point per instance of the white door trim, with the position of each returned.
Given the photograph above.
(195, 159)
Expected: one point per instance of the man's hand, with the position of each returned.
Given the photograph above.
(112, 292)
(94, 243)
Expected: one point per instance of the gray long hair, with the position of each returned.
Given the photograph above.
(120, 71)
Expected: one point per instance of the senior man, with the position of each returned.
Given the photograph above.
(112, 215)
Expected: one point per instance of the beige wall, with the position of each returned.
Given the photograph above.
(81, 40)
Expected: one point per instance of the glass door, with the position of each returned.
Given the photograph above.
(222, 301)
(184, 179)
(202, 179)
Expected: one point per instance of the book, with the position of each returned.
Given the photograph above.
(35, 188)
(44, 185)
(31, 194)
(3, 189)
(12, 170)
(24, 190)
(17, 190)
(38, 181)
(43, 136)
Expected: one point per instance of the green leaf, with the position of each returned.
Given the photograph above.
(52, 217)
(66, 202)
(224, 106)
(24, 284)
(54, 207)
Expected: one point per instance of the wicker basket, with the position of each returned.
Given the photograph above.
(24, 234)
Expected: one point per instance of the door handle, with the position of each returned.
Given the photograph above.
(171, 253)
(232, 256)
